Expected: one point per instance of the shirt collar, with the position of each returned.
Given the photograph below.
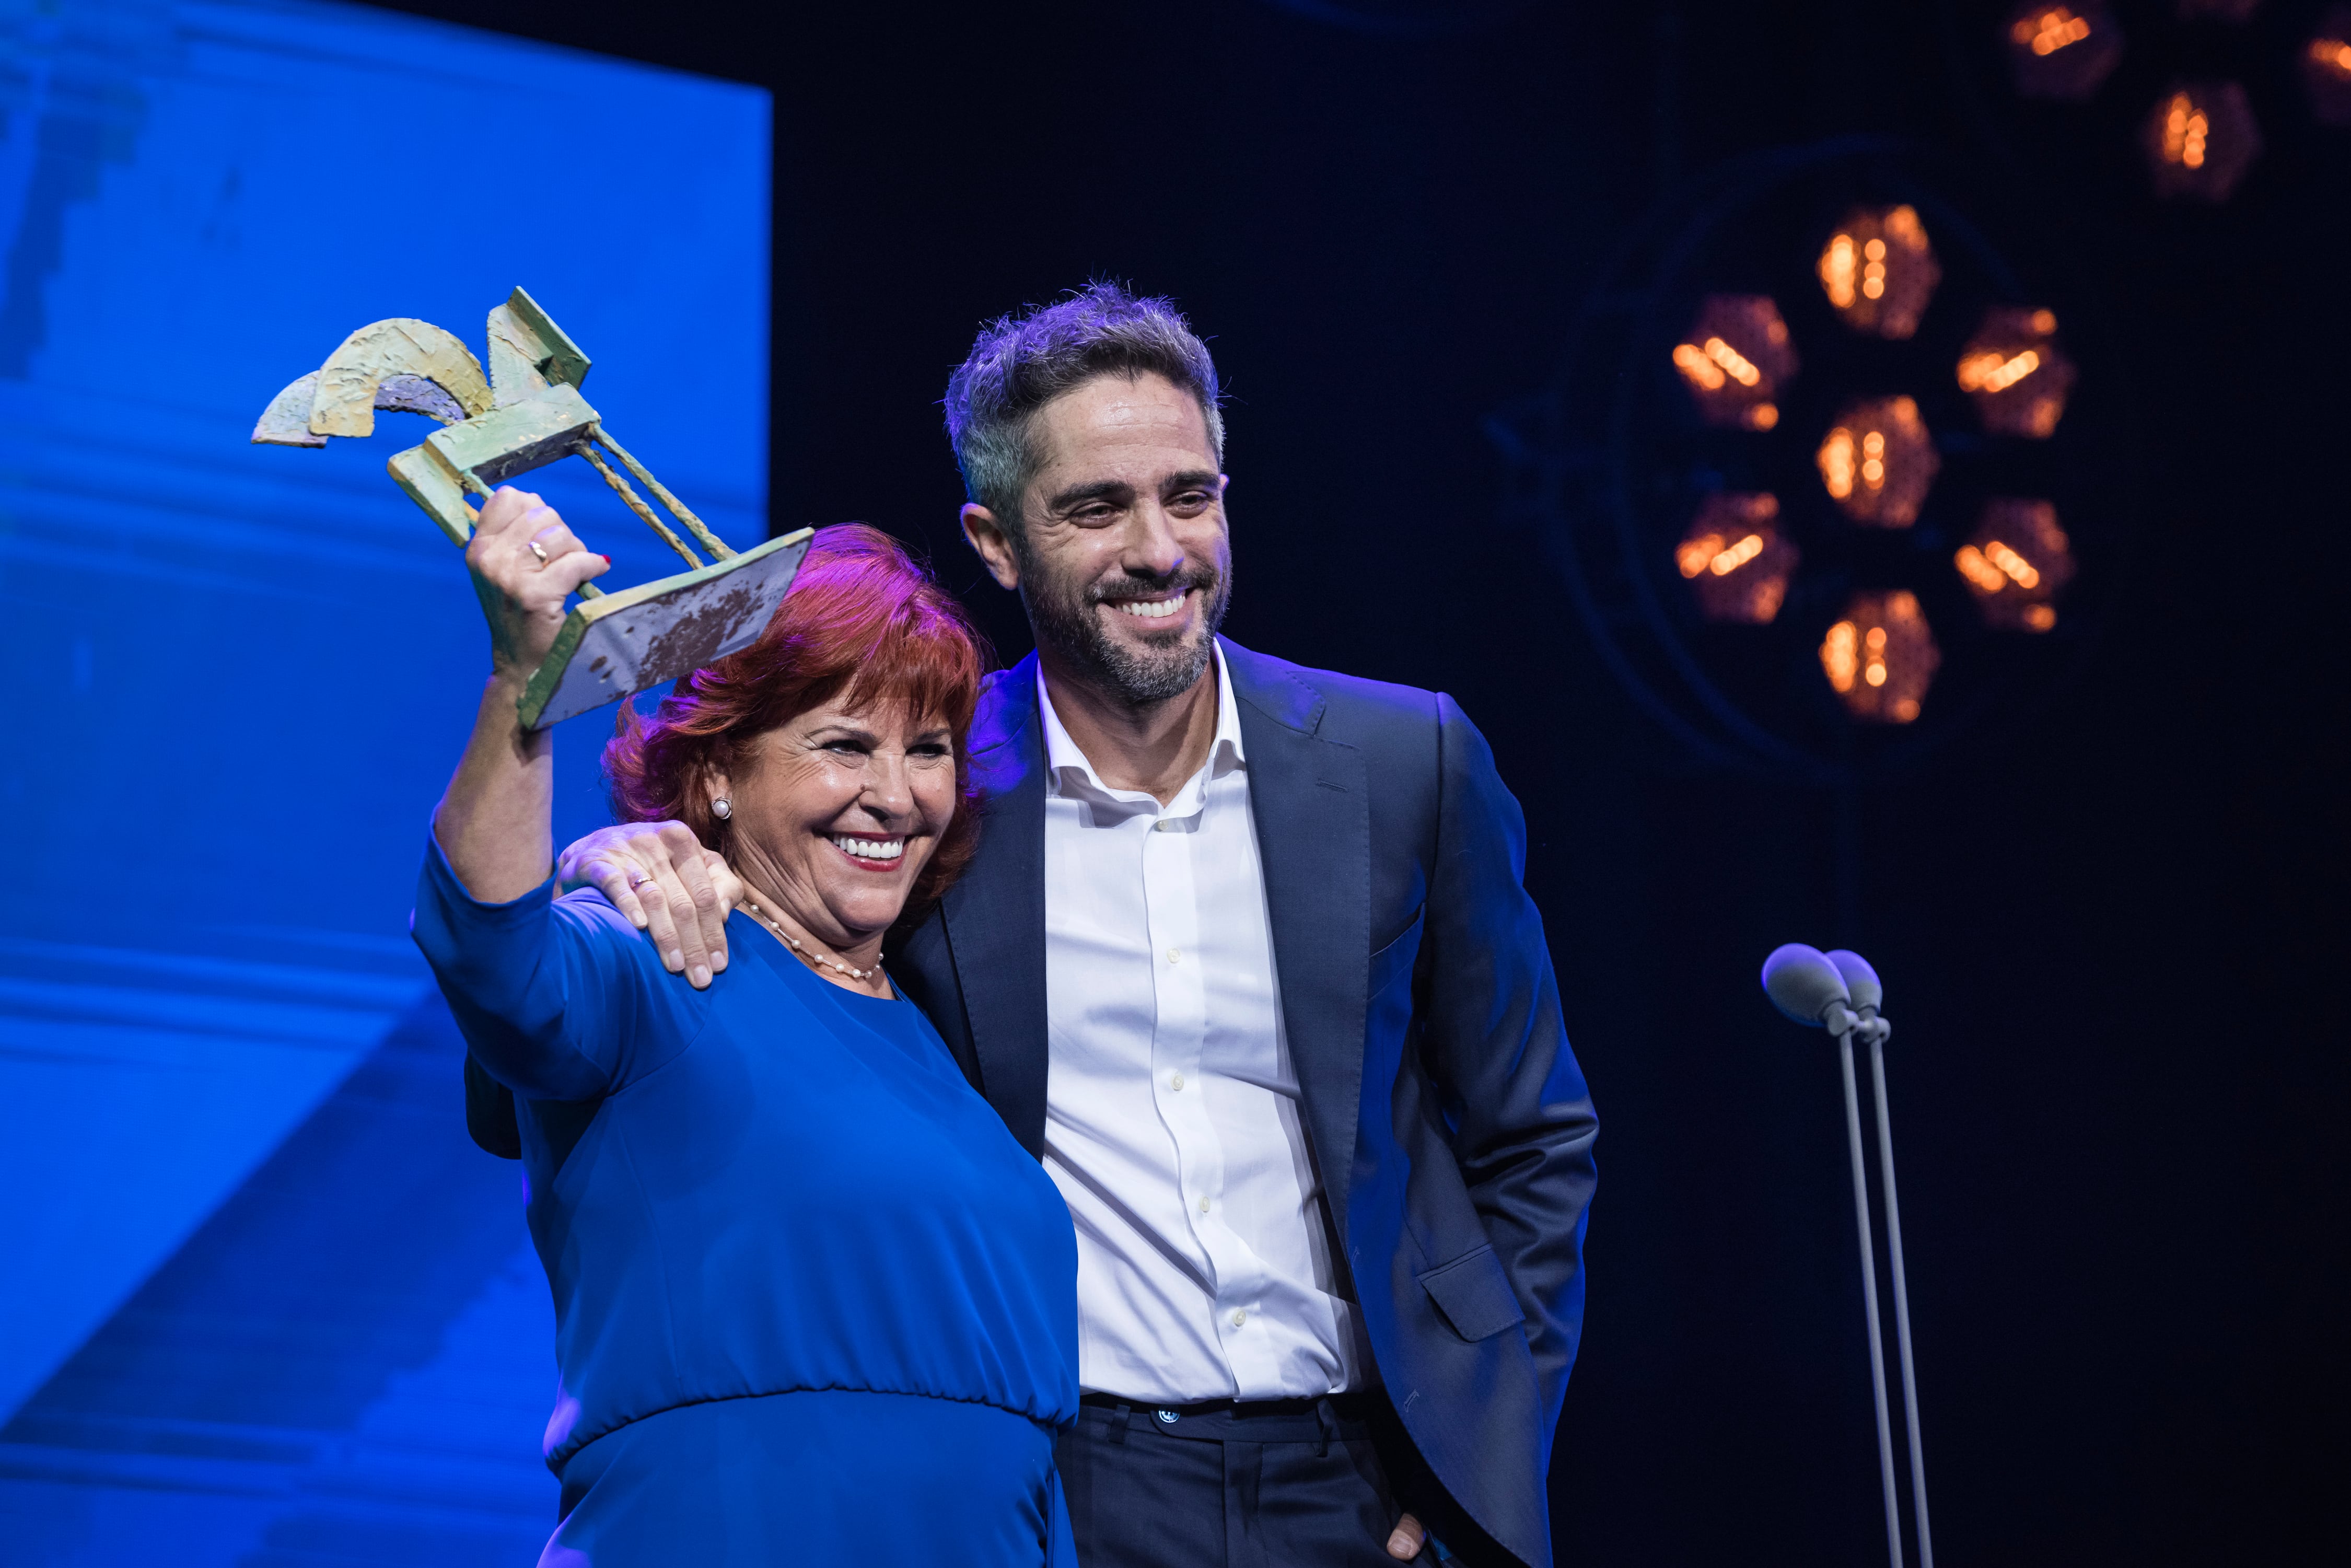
(1065, 765)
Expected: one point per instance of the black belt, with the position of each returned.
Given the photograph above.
(1346, 1406)
(1316, 1420)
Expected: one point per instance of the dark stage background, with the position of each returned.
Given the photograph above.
(2105, 915)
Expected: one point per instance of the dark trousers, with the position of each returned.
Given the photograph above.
(1230, 1486)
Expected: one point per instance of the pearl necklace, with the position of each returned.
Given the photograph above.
(793, 942)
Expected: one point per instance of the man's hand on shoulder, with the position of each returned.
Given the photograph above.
(670, 887)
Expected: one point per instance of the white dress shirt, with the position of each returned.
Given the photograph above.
(1172, 1107)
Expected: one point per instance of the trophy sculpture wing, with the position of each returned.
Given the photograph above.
(526, 414)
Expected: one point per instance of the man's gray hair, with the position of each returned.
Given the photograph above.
(1020, 364)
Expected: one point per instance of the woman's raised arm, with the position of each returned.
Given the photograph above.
(493, 821)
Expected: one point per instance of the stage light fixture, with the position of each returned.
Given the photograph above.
(1736, 561)
(2015, 373)
(1879, 271)
(2015, 563)
(1881, 657)
(1654, 519)
(2326, 67)
(1735, 359)
(2061, 52)
(2200, 139)
(1878, 462)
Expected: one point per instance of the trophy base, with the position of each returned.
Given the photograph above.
(625, 641)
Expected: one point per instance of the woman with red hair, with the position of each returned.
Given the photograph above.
(814, 1302)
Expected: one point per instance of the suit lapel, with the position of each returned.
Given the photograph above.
(1312, 807)
(995, 912)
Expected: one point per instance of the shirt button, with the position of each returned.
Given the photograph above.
(1204, 1206)
(1239, 1317)
(1175, 954)
(1164, 825)
(1176, 1081)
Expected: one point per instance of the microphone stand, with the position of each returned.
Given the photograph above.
(1839, 991)
(1879, 1029)
(1842, 1022)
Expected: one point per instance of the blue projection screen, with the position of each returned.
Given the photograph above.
(259, 1301)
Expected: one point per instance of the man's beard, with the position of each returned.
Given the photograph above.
(1067, 622)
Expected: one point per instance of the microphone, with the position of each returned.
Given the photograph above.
(1804, 984)
(1861, 981)
(1840, 992)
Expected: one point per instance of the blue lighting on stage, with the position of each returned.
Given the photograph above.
(261, 1304)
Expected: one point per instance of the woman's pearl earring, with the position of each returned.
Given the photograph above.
(721, 808)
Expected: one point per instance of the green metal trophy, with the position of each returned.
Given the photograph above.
(526, 414)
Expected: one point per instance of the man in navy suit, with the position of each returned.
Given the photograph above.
(1246, 960)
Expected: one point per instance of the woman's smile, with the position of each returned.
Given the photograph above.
(872, 852)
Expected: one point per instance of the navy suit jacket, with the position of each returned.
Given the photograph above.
(1444, 1112)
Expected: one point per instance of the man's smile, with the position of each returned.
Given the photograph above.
(1151, 609)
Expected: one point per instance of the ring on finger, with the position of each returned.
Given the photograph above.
(538, 549)
(637, 879)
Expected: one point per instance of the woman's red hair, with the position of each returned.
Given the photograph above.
(862, 619)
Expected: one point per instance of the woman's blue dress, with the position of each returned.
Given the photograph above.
(813, 1304)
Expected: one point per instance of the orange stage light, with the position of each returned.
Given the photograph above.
(2015, 563)
(2326, 67)
(1736, 561)
(2200, 139)
(1735, 359)
(1879, 271)
(1878, 462)
(1881, 657)
(2015, 373)
(2061, 51)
